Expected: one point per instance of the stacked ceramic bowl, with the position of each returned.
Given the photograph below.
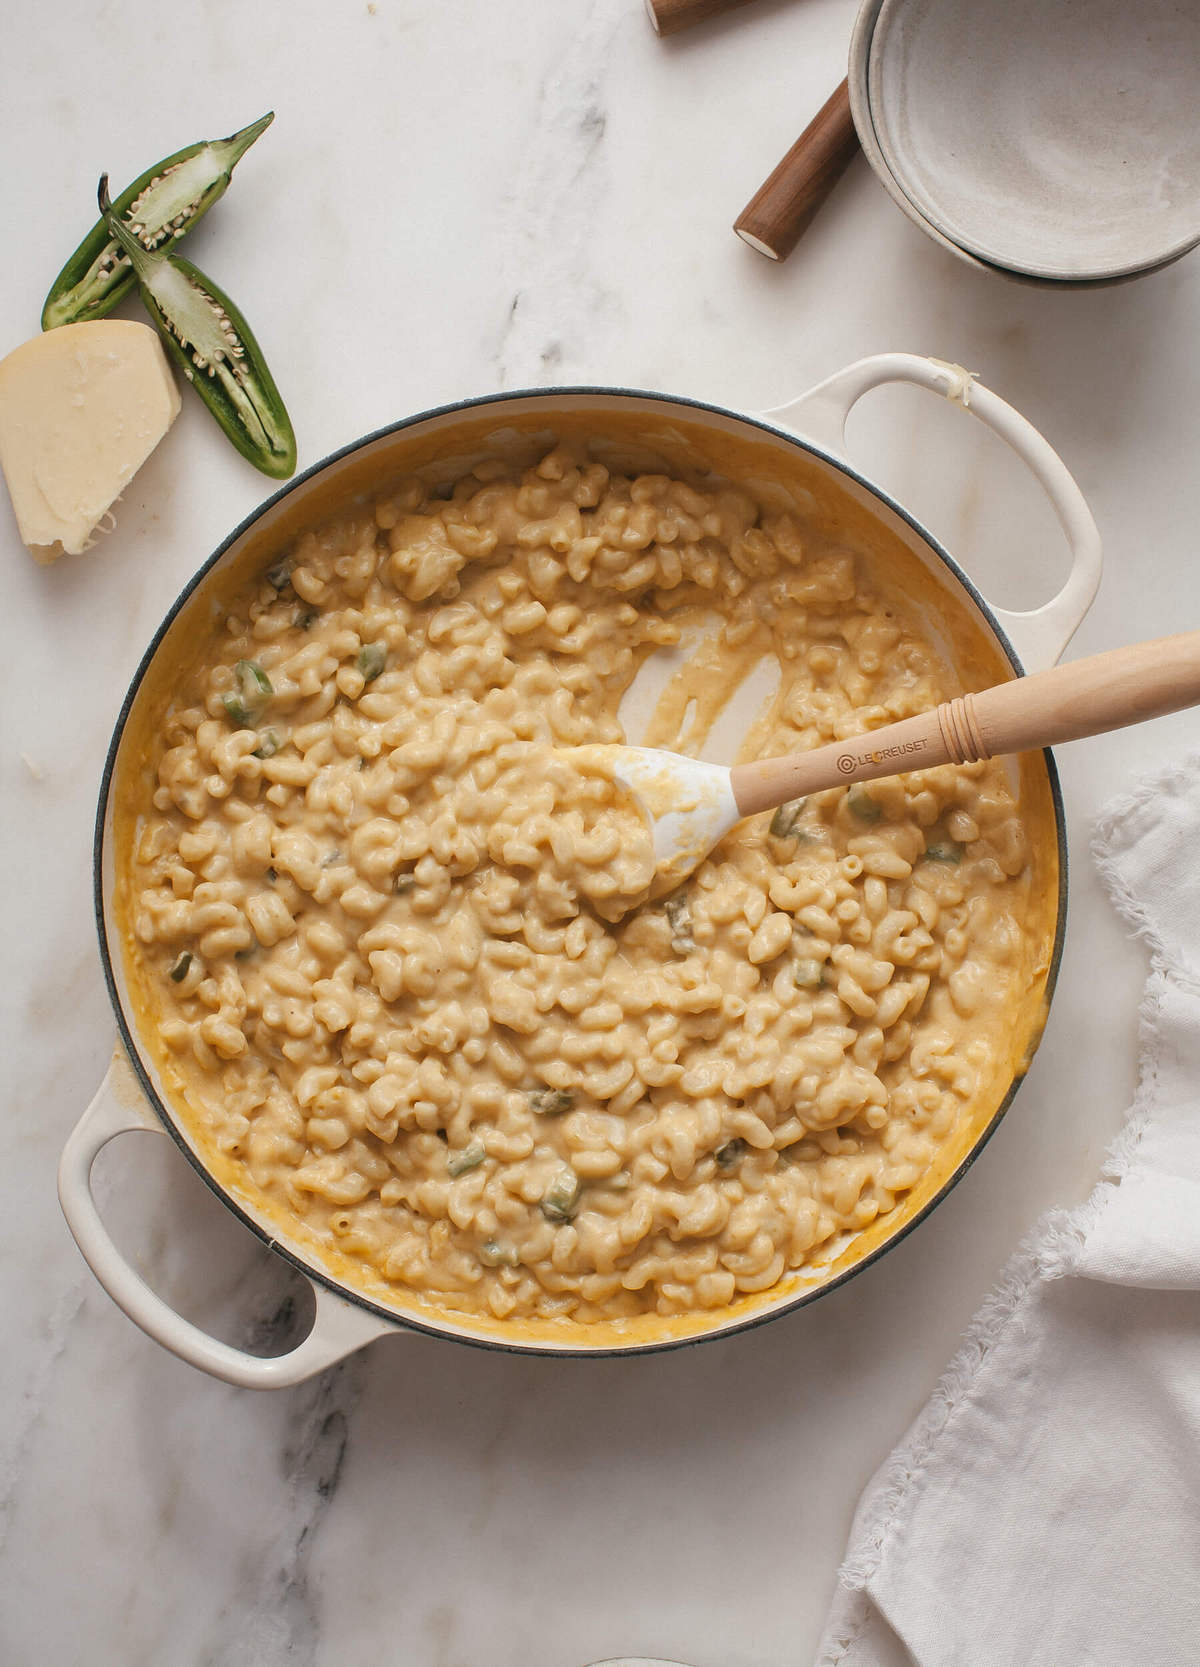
(1054, 141)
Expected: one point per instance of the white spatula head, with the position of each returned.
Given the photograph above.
(688, 805)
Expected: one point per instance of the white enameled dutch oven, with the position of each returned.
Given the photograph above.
(803, 442)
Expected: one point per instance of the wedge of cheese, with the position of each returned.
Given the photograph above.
(81, 409)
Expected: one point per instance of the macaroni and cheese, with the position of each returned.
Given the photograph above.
(382, 918)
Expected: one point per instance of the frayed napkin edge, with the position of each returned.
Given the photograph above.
(1050, 1250)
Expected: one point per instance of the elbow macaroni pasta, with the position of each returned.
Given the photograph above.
(380, 911)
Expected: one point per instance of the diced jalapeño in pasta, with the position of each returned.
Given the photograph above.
(470, 1157)
(810, 973)
(180, 966)
(785, 820)
(561, 1198)
(251, 691)
(947, 851)
(863, 805)
(730, 1154)
(551, 1102)
(307, 618)
(493, 1254)
(268, 744)
(253, 683)
(372, 658)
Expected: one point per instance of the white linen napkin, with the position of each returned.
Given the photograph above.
(1044, 1508)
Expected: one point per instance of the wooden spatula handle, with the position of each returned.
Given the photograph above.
(1086, 697)
(782, 207)
(669, 16)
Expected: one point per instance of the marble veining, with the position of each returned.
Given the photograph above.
(275, 1619)
(555, 204)
(25, 1413)
(456, 198)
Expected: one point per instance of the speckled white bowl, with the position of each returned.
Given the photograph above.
(1052, 139)
(860, 109)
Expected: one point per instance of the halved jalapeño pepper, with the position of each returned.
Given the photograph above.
(211, 343)
(160, 207)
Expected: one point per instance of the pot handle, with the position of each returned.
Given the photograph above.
(339, 1327)
(1039, 634)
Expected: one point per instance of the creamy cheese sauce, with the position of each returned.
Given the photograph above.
(381, 919)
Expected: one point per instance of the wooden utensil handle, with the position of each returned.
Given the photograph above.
(669, 16)
(781, 209)
(1086, 697)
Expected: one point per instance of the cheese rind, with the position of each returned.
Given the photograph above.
(81, 409)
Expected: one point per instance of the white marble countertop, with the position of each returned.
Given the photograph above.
(457, 198)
